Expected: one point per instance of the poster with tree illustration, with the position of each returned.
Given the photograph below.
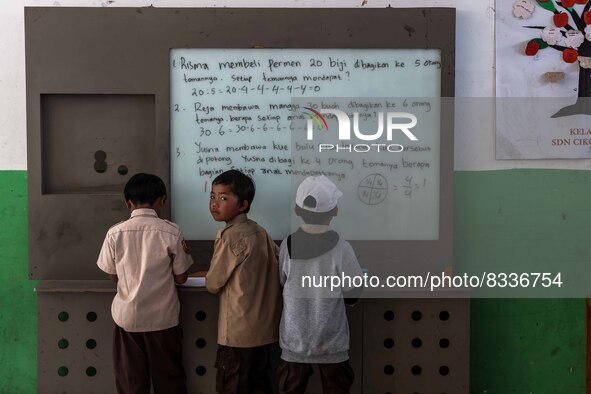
(543, 79)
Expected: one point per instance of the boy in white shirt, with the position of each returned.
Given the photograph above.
(145, 256)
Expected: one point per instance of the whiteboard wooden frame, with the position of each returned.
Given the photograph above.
(125, 51)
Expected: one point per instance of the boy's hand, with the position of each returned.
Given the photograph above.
(198, 274)
(181, 278)
(114, 278)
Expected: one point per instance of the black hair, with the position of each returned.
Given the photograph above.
(241, 185)
(144, 188)
(310, 217)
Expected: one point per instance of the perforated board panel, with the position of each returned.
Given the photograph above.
(416, 346)
(199, 319)
(389, 341)
(75, 352)
(68, 362)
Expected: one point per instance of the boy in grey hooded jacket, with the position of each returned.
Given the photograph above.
(314, 327)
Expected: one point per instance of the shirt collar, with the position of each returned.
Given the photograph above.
(144, 212)
(241, 218)
(315, 228)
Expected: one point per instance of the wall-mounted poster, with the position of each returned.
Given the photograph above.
(543, 79)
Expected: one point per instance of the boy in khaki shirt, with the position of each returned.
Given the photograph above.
(145, 256)
(244, 272)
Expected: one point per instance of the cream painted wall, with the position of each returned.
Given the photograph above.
(474, 135)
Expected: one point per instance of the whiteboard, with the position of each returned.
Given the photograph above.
(245, 109)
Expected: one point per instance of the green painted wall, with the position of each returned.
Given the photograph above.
(501, 217)
(505, 221)
(18, 302)
(522, 346)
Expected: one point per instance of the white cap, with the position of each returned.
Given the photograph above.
(322, 189)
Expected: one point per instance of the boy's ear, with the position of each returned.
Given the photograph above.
(162, 200)
(128, 204)
(243, 206)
